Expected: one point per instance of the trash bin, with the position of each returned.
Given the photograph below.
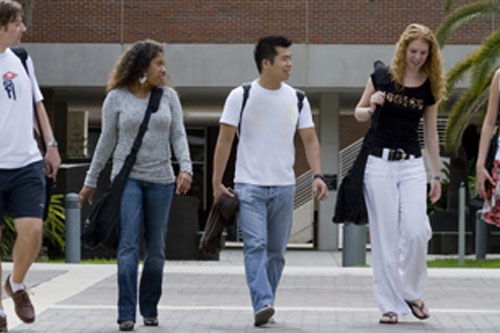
(182, 233)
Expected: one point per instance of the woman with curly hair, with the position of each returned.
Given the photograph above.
(394, 178)
(151, 185)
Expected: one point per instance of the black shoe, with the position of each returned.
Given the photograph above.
(126, 325)
(150, 321)
(263, 315)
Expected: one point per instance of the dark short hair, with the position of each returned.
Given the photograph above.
(266, 49)
(9, 11)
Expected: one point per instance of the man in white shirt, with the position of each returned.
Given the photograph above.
(264, 177)
(22, 168)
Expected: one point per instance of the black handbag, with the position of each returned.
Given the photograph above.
(103, 223)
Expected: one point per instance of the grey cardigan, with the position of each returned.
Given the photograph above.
(122, 113)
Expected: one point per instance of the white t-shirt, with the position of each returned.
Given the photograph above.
(266, 151)
(18, 147)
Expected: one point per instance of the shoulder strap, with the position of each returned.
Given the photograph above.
(153, 104)
(246, 92)
(23, 56)
(300, 99)
(381, 77)
(381, 74)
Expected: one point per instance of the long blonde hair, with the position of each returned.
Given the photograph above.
(433, 66)
(133, 63)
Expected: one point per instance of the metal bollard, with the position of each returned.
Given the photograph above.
(72, 248)
(481, 236)
(461, 224)
(354, 245)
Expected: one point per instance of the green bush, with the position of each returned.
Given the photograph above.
(53, 227)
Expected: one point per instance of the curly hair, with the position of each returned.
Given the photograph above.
(433, 66)
(133, 63)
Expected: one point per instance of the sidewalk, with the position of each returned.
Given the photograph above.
(315, 295)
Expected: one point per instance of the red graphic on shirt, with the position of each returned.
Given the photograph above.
(10, 76)
(9, 86)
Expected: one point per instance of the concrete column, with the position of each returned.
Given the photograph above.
(329, 110)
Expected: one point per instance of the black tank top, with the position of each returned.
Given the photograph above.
(399, 117)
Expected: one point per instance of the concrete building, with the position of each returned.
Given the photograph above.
(209, 47)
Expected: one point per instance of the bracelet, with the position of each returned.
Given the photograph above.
(52, 143)
(320, 176)
(436, 178)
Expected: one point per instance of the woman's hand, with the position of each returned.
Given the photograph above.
(184, 180)
(482, 175)
(378, 98)
(435, 191)
(86, 192)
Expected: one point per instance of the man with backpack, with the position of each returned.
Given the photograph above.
(266, 114)
(22, 174)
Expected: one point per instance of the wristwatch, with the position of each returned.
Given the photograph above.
(52, 143)
(320, 176)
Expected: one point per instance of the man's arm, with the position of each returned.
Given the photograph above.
(313, 155)
(52, 158)
(222, 151)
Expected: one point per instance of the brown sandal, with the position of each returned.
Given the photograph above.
(392, 318)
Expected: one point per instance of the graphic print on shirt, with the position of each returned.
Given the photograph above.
(405, 101)
(8, 84)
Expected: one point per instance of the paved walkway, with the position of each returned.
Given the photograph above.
(315, 295)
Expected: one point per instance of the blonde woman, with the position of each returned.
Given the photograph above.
(151, 185)
(395, 179)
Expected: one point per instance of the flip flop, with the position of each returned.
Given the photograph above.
(393, 318)
(421, 308)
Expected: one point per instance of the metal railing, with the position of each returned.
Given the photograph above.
(347, 157)
(303, 189)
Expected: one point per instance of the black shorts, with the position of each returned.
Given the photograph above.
(22, 191)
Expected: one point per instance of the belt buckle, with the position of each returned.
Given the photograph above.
(398, 154)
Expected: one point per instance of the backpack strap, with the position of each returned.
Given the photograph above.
(300, 99)
(23, 56)
(246, 92)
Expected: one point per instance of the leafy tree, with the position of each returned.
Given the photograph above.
(479, 66)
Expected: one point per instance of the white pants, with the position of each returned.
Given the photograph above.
(395, 195)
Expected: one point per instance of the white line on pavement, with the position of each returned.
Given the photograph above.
(279, 308)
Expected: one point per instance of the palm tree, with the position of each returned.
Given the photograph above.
(479, 65)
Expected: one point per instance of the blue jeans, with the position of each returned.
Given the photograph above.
(148, 202)
(265, 219)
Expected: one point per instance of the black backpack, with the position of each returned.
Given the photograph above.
(246, 93)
